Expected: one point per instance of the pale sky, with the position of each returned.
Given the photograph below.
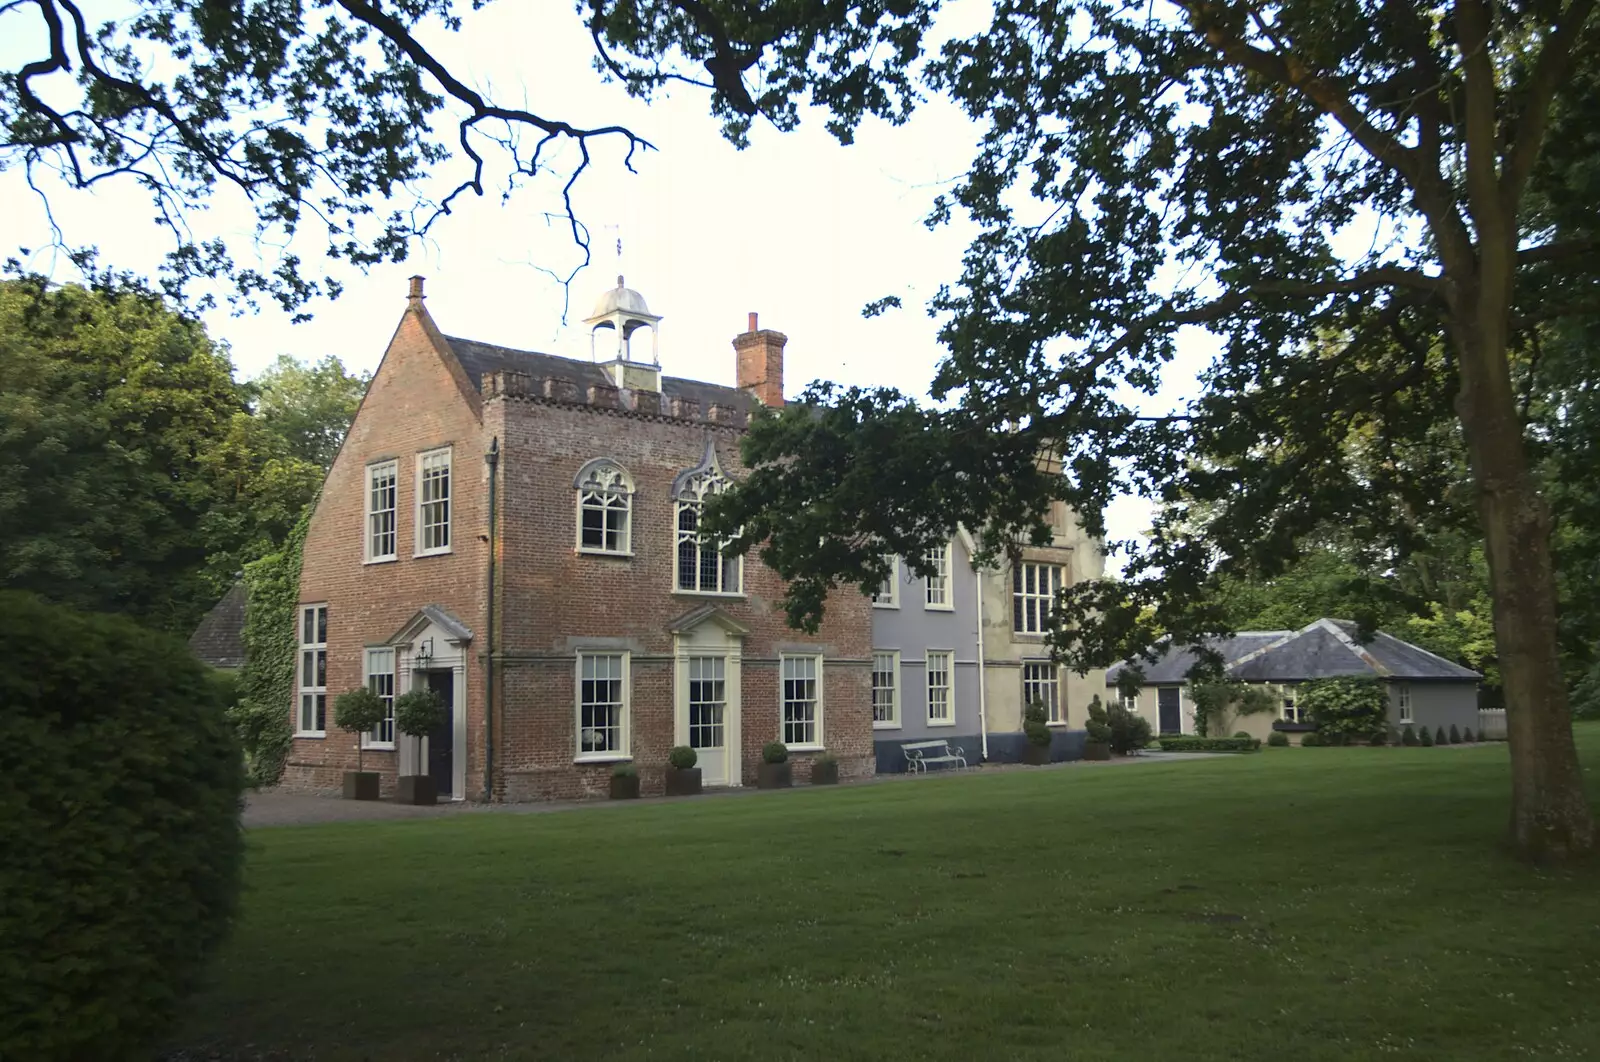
(796, 227)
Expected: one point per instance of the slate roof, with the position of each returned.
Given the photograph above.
(480, 358)
(1324, 649)
(219, 640)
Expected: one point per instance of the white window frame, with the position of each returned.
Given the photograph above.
(1055, 711)
(423, 459)
(893, 656)
(1031, 608)
(599, 485)
(374, 514)
(1289, 709)
(1130, 703)
(817, 737)
(940, 582)
(374, 738)
(948, 658)
(1402, 703)
(703, 669)
(691, 498)
(624, 726)
(892, 585)
(312, 651)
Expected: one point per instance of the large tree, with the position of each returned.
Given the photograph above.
(1276, 173)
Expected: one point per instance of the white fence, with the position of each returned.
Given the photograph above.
(1492, 724)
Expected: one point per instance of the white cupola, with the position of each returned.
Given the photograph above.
(623, 311)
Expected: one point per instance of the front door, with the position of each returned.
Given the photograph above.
(442, 742)
(708, 717)
(1167, 705)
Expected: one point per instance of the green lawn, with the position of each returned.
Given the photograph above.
(1295, 905)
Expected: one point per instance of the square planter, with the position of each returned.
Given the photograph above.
(683, 781)
(1037, 755)
(774, 775)
(625, 787)
(1096, 750)
(416, 789)
(825, 773)
(361, 785)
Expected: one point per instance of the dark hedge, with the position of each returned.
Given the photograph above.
(120, 783)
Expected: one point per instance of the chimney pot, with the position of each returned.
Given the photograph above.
(753, 325)
(416, 288)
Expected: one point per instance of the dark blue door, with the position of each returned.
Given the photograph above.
(441, 743)
(1167, 703)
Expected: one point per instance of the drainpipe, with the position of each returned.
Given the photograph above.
(492, 458)
(983, 715)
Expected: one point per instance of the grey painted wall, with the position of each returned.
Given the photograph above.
(913, 629)
(1437, 704)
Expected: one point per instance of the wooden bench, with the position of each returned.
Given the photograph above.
(922, 755)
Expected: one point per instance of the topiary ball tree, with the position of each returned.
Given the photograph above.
(683, 757)
(1034, 727)
(1455, 735)
(775, 752)
(120, 783)
(357, 712)
(418, 713)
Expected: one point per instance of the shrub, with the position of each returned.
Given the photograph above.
(1129, 730)
(683, 757)
(775, 752)
(357, 711)
(1378, 740)
(1278, 739)
(1394, 735)
(624, 770)
(1240, 733)
(1439, 738)
(1099, 724)
(1216, 701)
(418, 712)
(1427, 737)
(1468, 736)
(826, 758)
(1408, 736)
(1190, 743)
(1346, 707)
(1310, 741)
(120, 781)
(1455, 735)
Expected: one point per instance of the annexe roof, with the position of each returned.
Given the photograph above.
(1324, 649)
(219, 640)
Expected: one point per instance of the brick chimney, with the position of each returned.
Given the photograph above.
(761, 363)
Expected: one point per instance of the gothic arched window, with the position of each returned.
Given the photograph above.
(700, 565)
(605, 508)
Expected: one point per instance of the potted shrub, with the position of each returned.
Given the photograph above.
(683, 777)
(358, 711)
(1034, 728)
(825, 770)
(774, 771)
(418, 713)
(1098, 746)
(625, 782)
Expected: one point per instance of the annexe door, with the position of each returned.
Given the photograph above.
(1170, 716)
(708, 716)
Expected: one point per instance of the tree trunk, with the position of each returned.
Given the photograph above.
(1551, 820)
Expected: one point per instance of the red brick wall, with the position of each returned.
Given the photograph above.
(418, 400)
(554, 596)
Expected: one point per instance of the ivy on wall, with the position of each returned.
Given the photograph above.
(266, 684)
(1350, 705)
(1218, 702)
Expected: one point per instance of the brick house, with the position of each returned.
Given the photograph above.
(572, 489)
